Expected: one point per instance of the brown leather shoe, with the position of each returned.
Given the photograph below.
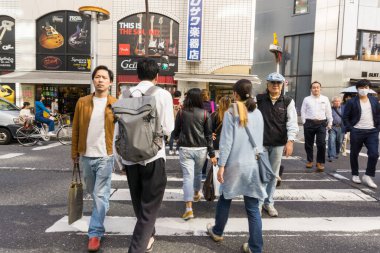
(93, 244)
(320, 167)
(309, 165)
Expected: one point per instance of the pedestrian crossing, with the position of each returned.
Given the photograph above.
(307, 202)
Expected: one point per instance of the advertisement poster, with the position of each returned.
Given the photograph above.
(7, 91)
(370, 46)
(61, 36)
(162, 37)
(7, 43)
(27, 93)
(78, 63)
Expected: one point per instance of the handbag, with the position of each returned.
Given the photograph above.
(208, 186)
(265, 169)
(75, 199)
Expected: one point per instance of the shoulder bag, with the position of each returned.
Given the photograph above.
(75, 200)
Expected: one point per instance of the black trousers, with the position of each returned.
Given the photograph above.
(147, 187)
(316, 131)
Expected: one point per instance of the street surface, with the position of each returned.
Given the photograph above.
(318, 212)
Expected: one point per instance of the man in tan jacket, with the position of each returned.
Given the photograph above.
(93, 128)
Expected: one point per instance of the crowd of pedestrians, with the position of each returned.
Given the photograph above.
(222, 132)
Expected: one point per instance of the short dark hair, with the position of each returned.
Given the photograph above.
(147, 69)
(311, 85)
(362, 83)
(193, 99)
(39, 96)
(177, 94)
(102, 67)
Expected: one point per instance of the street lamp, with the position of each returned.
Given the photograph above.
(96, 14)
(277, 51)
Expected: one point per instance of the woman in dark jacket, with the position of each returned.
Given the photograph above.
(194, 134)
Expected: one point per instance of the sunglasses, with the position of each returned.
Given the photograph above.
(275, 82)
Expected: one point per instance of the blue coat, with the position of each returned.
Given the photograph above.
(352, 112)
(241, 173)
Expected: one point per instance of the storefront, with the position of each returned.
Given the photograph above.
(162, 46)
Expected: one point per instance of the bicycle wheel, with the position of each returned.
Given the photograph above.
(28, 136)
(64, 135)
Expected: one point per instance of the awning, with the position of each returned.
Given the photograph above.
(214, 78)
(49, 77)
(167, 80)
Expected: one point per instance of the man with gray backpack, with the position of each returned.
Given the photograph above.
(144, 115)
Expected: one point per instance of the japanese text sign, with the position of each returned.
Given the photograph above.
(194, 30)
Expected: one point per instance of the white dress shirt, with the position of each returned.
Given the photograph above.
(164, 106)
(316, 108)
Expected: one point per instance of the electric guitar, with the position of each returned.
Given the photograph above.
(152, 48)
(79, 38)
(50, 38)
(172, 50)
(161, 41)
(140, 47)
(6, 25)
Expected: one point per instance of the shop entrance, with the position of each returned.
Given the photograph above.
(218, 90)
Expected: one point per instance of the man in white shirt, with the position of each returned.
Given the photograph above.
(316, 115)
(147, 179)
(92, 137)
(361, 118)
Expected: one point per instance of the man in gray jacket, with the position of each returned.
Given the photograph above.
(280, 130)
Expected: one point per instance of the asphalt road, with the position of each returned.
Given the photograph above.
(319, 212)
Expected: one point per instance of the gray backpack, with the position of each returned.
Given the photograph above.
(140, 131)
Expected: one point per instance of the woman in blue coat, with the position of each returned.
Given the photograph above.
(238, 172)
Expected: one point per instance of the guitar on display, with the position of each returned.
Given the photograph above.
(172, 50)
(161, 41)
(78, 40)
(50, 38)
(140, 47)
(6, 25)
(152, 48)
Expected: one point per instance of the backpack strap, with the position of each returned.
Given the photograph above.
(151, 91)
(127, 93)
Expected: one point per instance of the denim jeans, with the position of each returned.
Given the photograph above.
(255, 240)
(334, 142)
(171, 142)
(191, 162)
(47, 121)
(97, 177)
(370, 138)
(275, 155)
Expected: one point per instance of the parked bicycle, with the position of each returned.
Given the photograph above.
(30, 134)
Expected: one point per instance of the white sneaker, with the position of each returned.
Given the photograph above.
(177, 152)
(51, 134)
(356, 179)
(368, 181)
(270, 210)
(171, 152)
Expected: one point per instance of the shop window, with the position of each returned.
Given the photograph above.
(63, 42)
(301, 6)
(368, 46)
(7, 44)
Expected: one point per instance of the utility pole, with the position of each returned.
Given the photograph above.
(146, 27)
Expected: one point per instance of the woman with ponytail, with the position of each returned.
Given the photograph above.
(238, 172)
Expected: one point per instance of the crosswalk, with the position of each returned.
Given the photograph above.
(307, 202)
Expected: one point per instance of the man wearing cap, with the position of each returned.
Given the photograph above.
(361, 117)
(280, 121)
(316, 116)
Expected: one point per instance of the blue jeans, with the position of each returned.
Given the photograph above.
(334, 142)
(275, 155)
(370, 138)
(49, 122)
(255, 240)
(191, 162)
(97, 177)
(171, 142)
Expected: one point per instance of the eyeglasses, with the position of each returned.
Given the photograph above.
(275, 82)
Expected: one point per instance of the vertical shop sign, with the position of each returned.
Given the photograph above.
(7, 43)
(194, 30)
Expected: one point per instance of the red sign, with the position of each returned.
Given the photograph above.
(51, 62)
(124, 49)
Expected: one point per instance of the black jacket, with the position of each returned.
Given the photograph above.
(193, 129)
(353, 111)
(215, 130)
(275, 118)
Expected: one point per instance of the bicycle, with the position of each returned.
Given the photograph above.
(29, 135)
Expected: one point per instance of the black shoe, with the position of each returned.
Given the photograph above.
(330, 160)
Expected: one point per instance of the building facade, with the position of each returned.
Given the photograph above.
(335, 42)
(204, 44)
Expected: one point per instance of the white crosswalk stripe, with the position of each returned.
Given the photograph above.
(174, 226)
